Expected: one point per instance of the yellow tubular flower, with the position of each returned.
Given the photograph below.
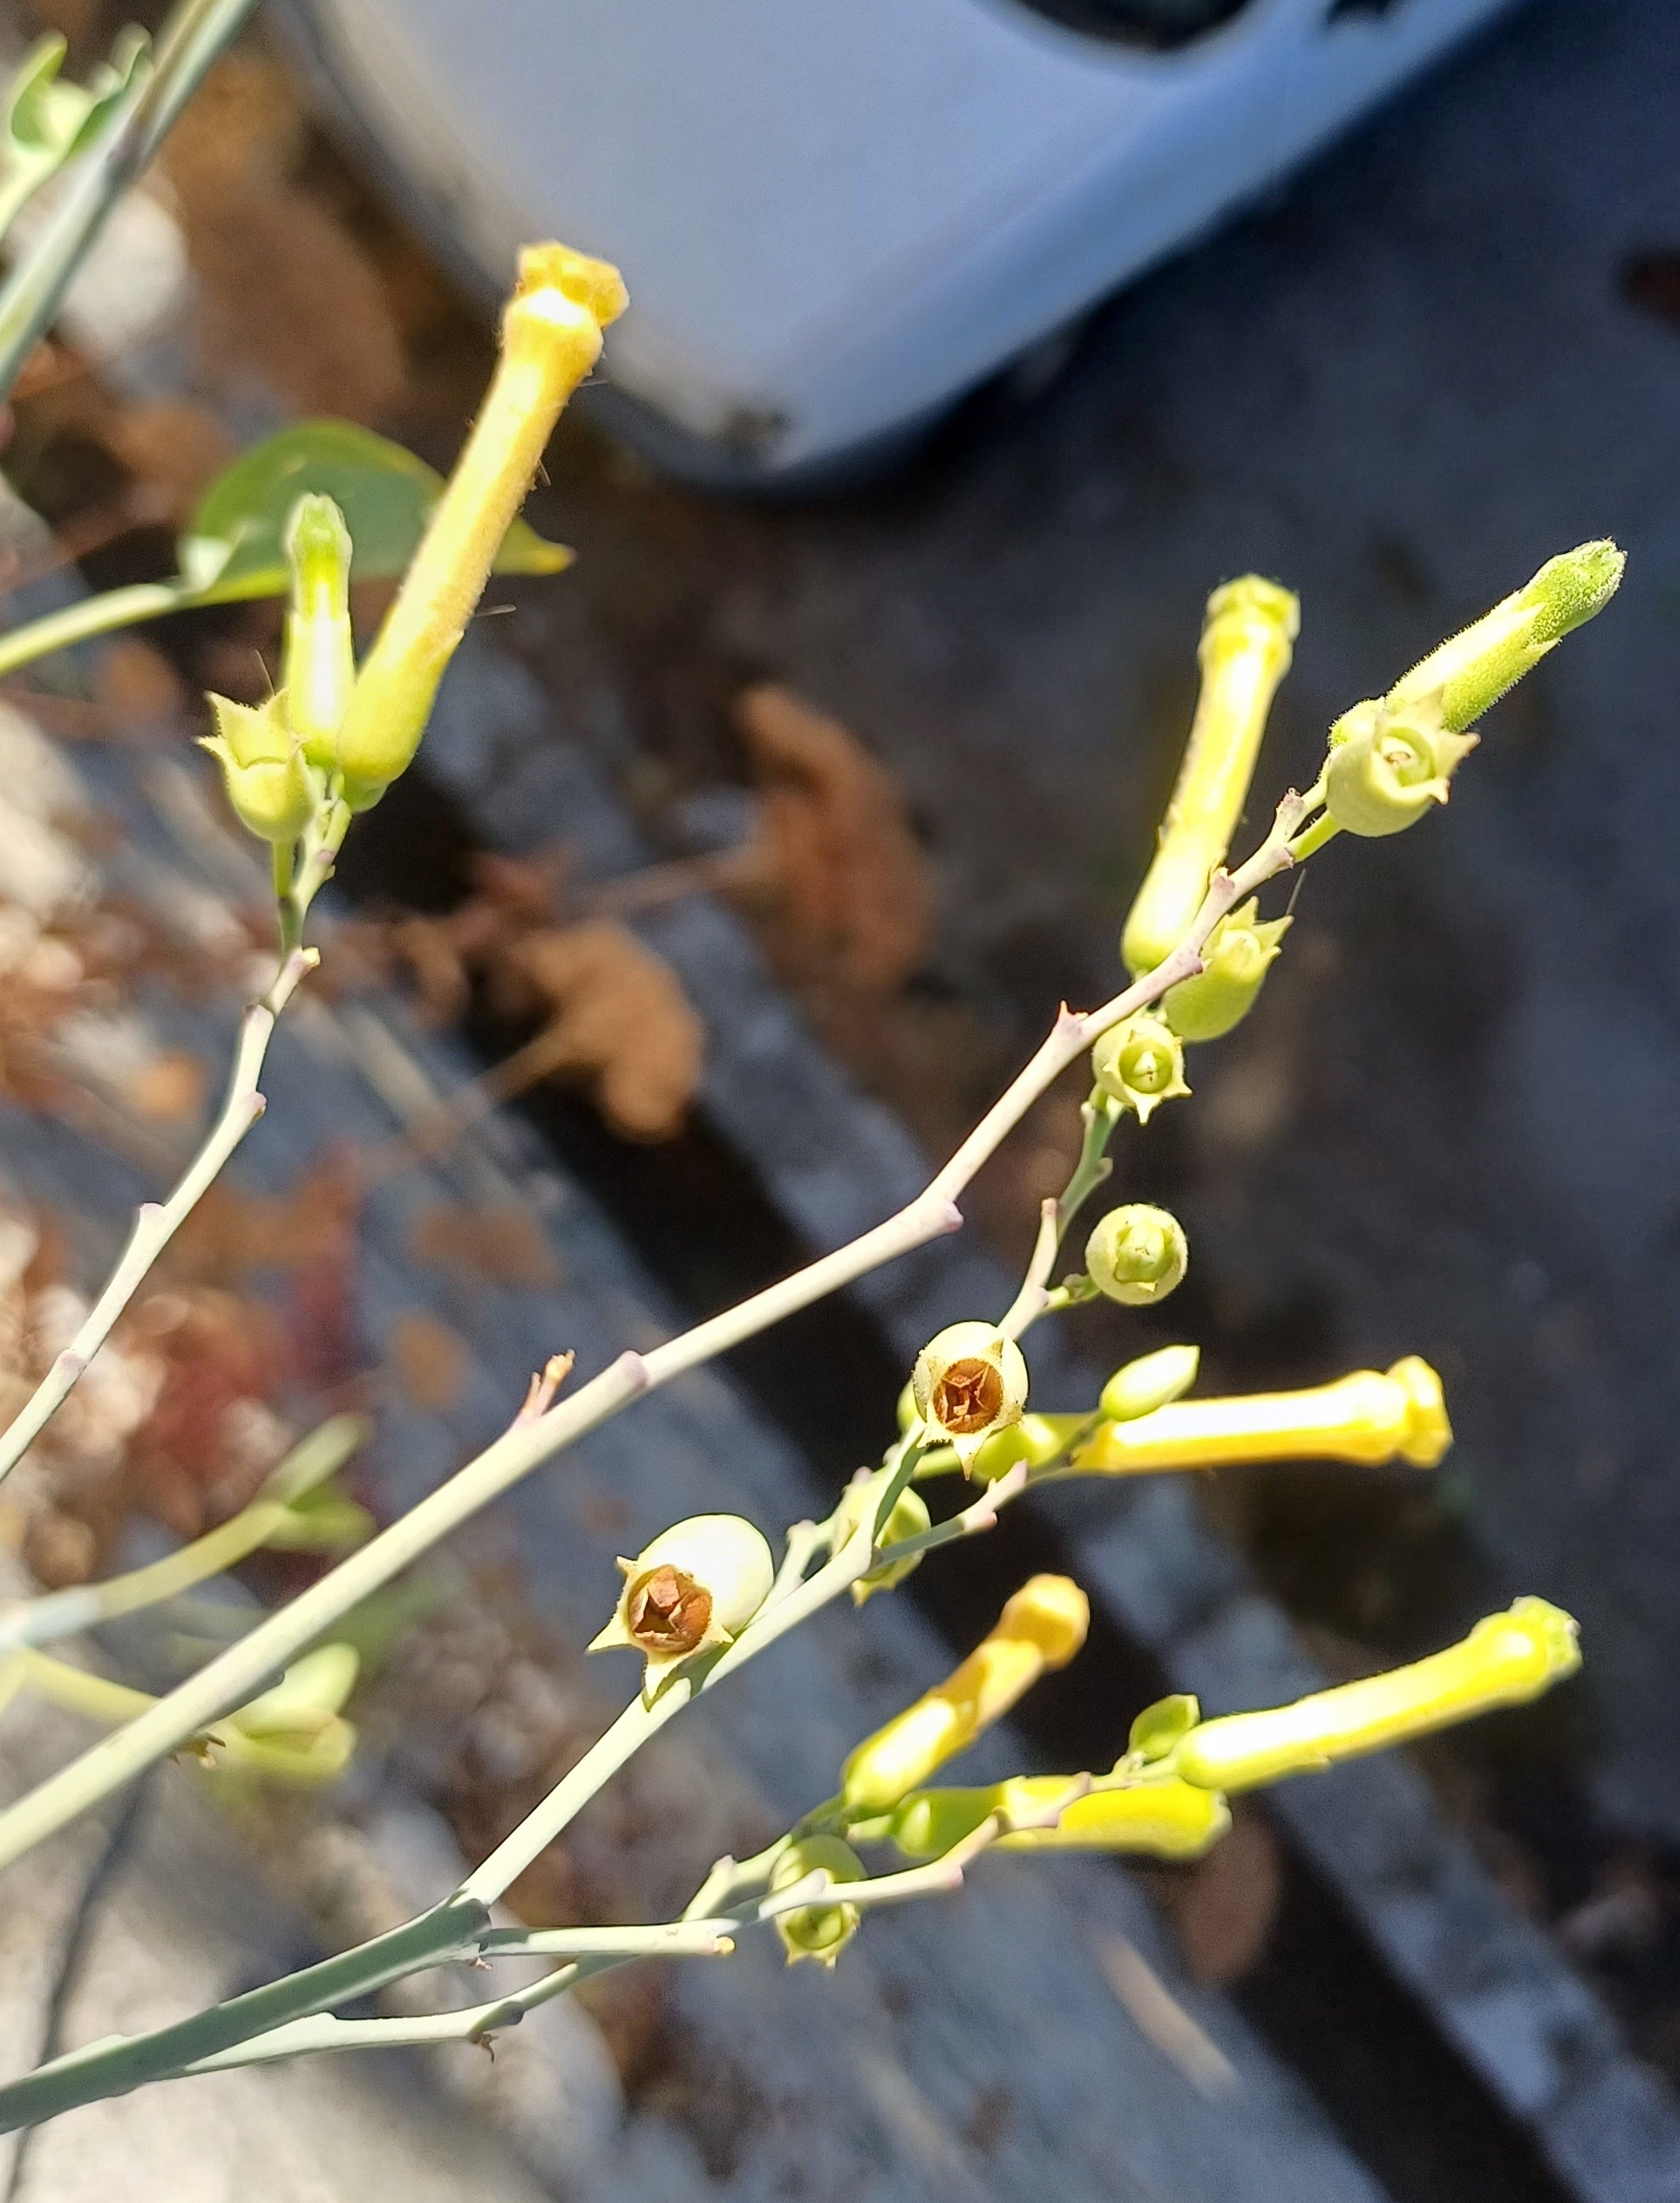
(1245, 652)
(1041, 1628)
(1505, 1661)
(1165, 1819)
(1369, 1417)
(550, 340)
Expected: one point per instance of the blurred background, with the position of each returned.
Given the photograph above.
(744, 862)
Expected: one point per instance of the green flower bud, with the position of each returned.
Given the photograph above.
(1240, 952)
(319, 654)
(908, 1519)
(1138, 1253)
(819, 1931)
(1505, 1661)
(696, 1586)
(1389, 764)
(1475, 668)
(1140, 1062)
(263, 769)
(970, 1381)
(1152, 1381)
(1166, 1819)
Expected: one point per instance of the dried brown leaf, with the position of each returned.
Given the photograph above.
(505, 1245)
(428, 1360)
(850, 876)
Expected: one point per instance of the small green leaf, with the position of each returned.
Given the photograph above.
(384, 493)
(1159, 1726)
(323, 1521)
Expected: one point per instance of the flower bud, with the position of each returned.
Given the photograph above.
(1370, 1417)
(1505, 1661)
(1238, 954)
(1040, 1629)
(550, 340)
(696, 1586)
(1475, 668)
(1140, 1062)
(820, 1931)
(968, 1381)
(1389, 763)
(1149, 1383)
(1137, 1255)
(1245, 652)
(262, 769)
(1165, 1819)
(319, 654)
(908, 1519)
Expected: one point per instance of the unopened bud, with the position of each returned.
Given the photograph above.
(1505, 1661)
(1140, 1062)
(1040, 1629)
(696, 1586)
(970, 1381)
(1138, 1255)
(1150, 1382)
(1475, 667)
(320, 652)
(820, 1931)
(262, 768)
(1239, 953)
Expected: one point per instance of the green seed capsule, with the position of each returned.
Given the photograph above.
(1240, 952)
(1389, 763)
(820, 1932)
(1139, 1062)
(1138, 1255)
(909, 1519)
(263, 769)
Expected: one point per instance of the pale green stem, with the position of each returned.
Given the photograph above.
(194, 36)
(91, 617)
(64, 1613)
(236, 1675)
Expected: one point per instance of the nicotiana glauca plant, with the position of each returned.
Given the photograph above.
(712, 1593)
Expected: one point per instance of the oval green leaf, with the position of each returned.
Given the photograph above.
(384, 493)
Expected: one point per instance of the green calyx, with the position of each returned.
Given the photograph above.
(908, 1519)
(1137, 1255)
(819, 1932)
(1389, 762)
(268, 778)
(1239, 953)
(1139, 1063)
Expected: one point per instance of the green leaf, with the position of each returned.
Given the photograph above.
(1159, 1726)
(384, 493)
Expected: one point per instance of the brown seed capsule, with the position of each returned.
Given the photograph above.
(667, 1612)
(968, 1381)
